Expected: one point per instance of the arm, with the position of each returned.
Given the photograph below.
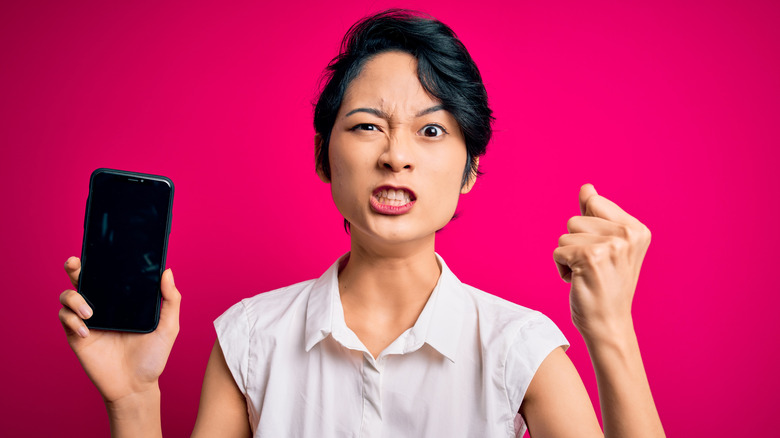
(601, 258)
(627, 406)
(556, 403)
(125, 367)
(222, 411)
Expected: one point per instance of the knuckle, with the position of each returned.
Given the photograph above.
(617, 245)
(627, 232)
(562, 240)
(571, 223)
(65, 296)
(637, 234)
(594, 253)
(68, 318)
(175, 297)
(645, 233)
(588, 205)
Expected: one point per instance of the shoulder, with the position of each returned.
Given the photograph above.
(270, 307)
(486, 307)
(506, 329)
(522, 337)
(502, 315)
(512, 340)
(249, 330)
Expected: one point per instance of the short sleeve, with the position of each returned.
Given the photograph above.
(233, 334)
(534, 341)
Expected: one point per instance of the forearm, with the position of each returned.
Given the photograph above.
(136, 415)
(627, 406)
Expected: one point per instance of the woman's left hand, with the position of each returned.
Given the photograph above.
(601, 258)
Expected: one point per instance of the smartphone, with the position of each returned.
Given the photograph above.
(126, 228)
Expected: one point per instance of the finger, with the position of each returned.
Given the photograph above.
(576, 259)
(564, 272)
(586, 192)
(76, 303)
(72, 323)
(593, 204)
(596, 225)
(562, 263)
(169, 312)
(582, 239)
(73, 268)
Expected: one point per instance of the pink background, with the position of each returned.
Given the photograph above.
(670, 108)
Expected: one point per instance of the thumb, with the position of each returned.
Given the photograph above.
(169, 312)
(586, 191)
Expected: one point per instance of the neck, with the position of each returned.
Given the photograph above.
(384, 288)
(390, 278)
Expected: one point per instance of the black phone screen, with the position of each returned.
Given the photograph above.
(123, 255)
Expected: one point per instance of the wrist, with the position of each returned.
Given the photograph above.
(136, 414)
(614, 335)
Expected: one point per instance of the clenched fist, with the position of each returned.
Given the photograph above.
(601, 258)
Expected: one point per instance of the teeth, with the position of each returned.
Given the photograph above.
(394, 197)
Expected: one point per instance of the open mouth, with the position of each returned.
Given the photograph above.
(392, 200)
(393, 196)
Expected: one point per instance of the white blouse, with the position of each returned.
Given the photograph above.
(461, 371)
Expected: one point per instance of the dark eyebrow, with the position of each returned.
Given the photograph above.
(383, 115)
(374, 111)
(432, 109)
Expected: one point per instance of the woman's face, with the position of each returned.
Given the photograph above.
(396, 157)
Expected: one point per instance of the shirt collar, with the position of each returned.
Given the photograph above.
(319, 310)
(439, 324)
(445, 308)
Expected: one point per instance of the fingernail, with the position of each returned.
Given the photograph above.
(83, 332)
(85, 311)
(172, 282)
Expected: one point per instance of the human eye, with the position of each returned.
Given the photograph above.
(432, 130)
(364, 127)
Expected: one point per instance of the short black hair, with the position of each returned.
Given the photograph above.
(444, 67)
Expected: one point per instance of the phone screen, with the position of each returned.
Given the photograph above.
(123, 256)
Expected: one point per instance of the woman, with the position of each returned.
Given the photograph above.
(388, 342)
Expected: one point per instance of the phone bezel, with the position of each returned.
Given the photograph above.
(169, 216)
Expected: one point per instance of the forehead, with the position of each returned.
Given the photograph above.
(388, 81)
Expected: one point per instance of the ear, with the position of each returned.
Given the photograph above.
(472, 179)
(317, 149)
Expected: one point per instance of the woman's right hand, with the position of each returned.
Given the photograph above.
(120, 364)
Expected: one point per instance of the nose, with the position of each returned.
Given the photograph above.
(398, 155)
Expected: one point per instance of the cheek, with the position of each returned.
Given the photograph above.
(449, 182)
(344, 184)
(338, 185)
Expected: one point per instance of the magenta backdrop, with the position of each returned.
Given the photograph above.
(670, 108)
